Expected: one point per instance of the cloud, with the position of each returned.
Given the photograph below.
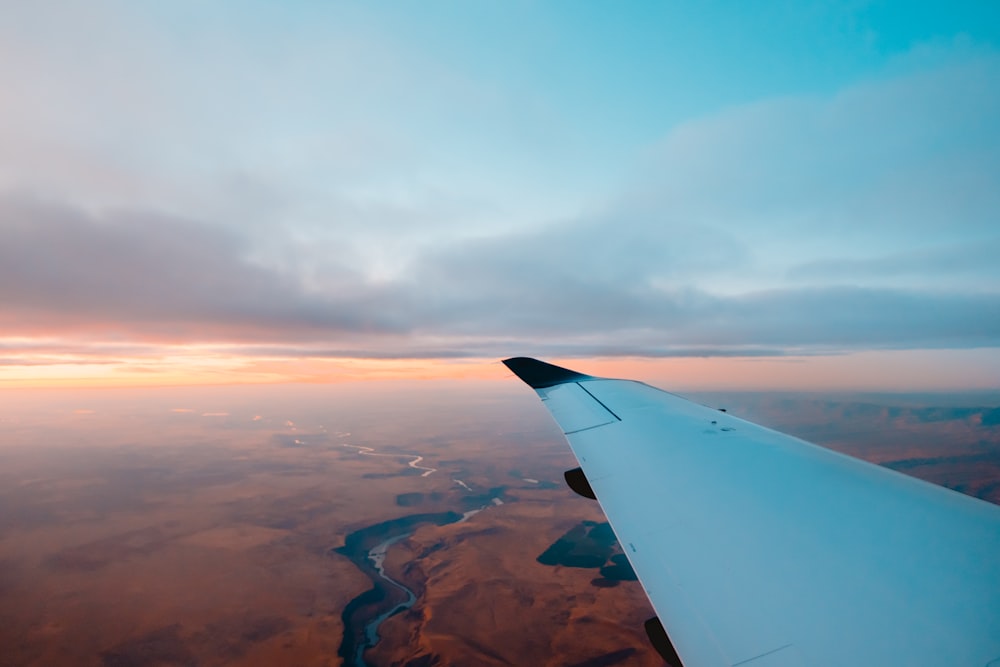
(949, 263)
(885, 168)
(585, 288)
(56, 361)
(156, 277)
(796, 224)
(520, 290)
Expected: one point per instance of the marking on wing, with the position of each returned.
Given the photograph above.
(783, 656)
(599, 401)
(575, 409)
(762, 655)
(586, 428)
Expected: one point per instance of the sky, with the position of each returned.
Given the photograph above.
(727, 194)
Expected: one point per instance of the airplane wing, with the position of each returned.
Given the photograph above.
(758, 549)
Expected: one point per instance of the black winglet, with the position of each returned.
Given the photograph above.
(538, 374)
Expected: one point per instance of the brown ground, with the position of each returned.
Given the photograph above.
(137, 536)
(174, 568)
(485, 600)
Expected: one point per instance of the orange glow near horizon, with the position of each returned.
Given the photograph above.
(886, 370)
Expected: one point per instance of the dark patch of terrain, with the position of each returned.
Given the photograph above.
(471, 500)
(417, 498)
(619, 569)
(591, 545)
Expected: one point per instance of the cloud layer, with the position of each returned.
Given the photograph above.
(272, 197)
(559, 290)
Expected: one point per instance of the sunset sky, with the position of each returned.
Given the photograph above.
(721, 194)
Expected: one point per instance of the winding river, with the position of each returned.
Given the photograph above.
(377, 557)
(414, 463)
(367, 549)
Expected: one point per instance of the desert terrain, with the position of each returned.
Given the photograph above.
(214, 526)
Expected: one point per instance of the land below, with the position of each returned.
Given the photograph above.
(233, 528)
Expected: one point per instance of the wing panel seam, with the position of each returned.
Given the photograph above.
(762, 655)
(599, 402)
(587, 428)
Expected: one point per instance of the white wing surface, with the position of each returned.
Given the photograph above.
(756, 548)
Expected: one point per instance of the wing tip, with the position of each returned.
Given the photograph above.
(539, 374)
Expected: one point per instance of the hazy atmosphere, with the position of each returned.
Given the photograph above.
(259, 263)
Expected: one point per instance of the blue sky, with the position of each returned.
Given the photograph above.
(477, 179)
